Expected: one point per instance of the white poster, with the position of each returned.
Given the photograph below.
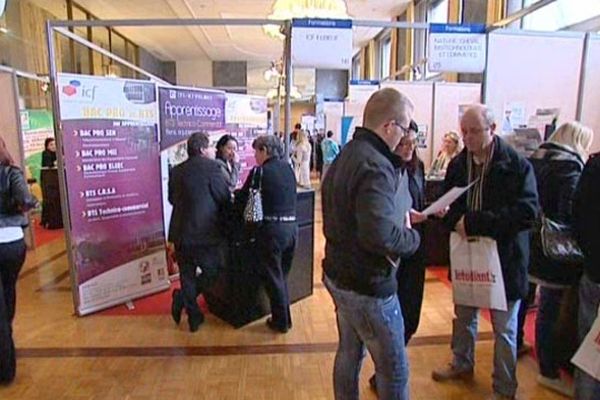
(457, 48)
(322, 43)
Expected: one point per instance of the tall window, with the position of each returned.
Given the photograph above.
(385, 52)
(438, 12)
(356, 66)
(560, 14)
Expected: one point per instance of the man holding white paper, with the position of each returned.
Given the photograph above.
(499, 207)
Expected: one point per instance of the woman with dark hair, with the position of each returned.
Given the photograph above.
(226, 156)
(276, 235)
(411, 274)
(49, 153)
(15, 200)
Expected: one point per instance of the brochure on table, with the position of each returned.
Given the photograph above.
(112, 174)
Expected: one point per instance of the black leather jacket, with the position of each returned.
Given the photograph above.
(364, 205)
(15, 197)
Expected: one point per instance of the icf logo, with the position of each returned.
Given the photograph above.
(76, 88)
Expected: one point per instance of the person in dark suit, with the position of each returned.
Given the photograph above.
(200, 198)
(276, 236)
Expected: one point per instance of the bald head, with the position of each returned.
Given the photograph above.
(386, 105)
(386, 113)
(477, 126)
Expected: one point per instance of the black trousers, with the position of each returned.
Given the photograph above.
(209, 260)
(275, 245)
(12, 257)
(411, 284)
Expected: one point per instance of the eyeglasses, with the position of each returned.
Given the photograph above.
(405, 130)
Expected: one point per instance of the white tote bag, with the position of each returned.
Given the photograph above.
(476, 273)
(588, 355)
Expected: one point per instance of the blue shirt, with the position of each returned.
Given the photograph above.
(330, 150)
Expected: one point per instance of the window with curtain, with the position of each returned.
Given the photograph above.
(560, 14)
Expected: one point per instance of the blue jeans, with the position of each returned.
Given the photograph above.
(545, 331)
(374, 323)
(586, 387)
(504, 323)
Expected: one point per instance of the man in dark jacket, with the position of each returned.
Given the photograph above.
(502, 204)
(586, 221)
(200, 198)
(367, 231)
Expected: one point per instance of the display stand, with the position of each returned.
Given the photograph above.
(51, 214)
(238, 297)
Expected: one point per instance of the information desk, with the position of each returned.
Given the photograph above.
(51, 212)
(238, 297)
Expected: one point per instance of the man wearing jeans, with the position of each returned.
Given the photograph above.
(367, 230)
(501, 204)
(586, 221)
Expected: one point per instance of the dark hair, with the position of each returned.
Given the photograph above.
(414, 162)
(47, 142)
(269, 143)
(5, 157)
(329, 133)
(196, 143)
(298, 126)
(223, 140)
(413, 126)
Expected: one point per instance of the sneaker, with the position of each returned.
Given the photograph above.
(557, 385)
(451, 372)
(523, 350)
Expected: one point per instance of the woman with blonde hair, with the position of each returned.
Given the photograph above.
(301, 157)
(450, 148)
(557, 163)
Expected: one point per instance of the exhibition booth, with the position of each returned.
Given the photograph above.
(118, 139)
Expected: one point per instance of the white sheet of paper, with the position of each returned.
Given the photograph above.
(447, 199)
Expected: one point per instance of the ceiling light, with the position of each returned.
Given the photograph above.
(288, 9)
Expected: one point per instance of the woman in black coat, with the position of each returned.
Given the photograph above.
(411, 274)
(557, 164)
(276, 235)
(15, 200)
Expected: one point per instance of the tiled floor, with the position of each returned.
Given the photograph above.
(147, 357)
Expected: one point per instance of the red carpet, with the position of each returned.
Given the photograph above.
(44, 236)
(155, 304)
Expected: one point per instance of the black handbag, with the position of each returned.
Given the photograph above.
(253, 212)
(558, 243)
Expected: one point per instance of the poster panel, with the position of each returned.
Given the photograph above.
(112, 171)
(183, 111)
